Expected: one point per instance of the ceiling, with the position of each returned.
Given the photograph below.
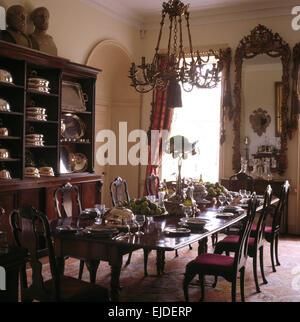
(146, 13)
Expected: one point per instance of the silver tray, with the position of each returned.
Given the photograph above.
(72, 97)
(79, 162)
(72, 127)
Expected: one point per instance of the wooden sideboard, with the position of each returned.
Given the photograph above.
(40, 193)
(260, 186)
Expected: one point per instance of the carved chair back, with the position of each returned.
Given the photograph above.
(119, 191)
(28, 224)
(241, 254)
(65, 197)
(261, 224)
(152, 185)
(281, 207)
(241, 181)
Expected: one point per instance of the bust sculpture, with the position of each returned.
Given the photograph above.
(40, 39)
(16, 24)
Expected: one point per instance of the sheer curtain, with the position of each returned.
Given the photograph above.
(198, 120)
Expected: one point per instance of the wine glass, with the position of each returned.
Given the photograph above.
(222, 199)
(140, 221)
(100, 209)
(229, 199)
(242, 193)
(128, 223)
(188, 211)
(248, 194)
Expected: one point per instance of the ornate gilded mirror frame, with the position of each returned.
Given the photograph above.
(261, 41)
(295, 104)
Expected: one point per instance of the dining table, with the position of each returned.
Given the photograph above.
(156, 236)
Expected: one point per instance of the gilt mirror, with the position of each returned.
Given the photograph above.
(261, 96)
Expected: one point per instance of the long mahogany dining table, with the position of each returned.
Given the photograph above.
(97, 248)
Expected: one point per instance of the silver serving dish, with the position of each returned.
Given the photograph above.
(40, 89)
(31, 172)
(72, 127)
(4, 154)
(5, 174)
(78, 161)
(36, 82)
(36, 110)
(46, 172)
(3, 131)
(5, 76)
(35, 143)
(4, 105)
(34, 136)
(37, 117)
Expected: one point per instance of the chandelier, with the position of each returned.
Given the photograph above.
(188, 69)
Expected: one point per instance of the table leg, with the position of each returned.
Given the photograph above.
(92, 266)
(160, 262)
(60, 263)
(115, 282)
(202, 246)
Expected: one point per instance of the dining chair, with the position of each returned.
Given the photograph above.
(223, 265)
(152, 183)
(68, 204)
(272, 232)
(27, 225)
(119, 192)
(256, 240)
(237, 181)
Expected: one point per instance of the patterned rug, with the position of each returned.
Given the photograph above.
(283, 285)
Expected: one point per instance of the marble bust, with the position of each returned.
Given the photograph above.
(39, 38)
(16, 25)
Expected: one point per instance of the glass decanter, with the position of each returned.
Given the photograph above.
(256, 172)
(267, 175)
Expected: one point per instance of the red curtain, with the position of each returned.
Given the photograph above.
(161, 119)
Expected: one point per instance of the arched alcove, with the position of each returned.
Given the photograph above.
(116, 101)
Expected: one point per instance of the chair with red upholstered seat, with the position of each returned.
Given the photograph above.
(272, 232)
(256, 240)
(27, 225)
(222, 265)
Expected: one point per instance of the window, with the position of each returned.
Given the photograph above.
(198, 119)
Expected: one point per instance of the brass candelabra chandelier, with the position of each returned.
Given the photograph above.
(190, 69)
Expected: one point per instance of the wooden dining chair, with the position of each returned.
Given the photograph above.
(223, 265)
(152, 183)
(272, 232)
(256, 240)
(68, 204)
(28, 224)
(119, 192)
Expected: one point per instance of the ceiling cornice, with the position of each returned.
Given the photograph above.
(262, 9)
(117, 11)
